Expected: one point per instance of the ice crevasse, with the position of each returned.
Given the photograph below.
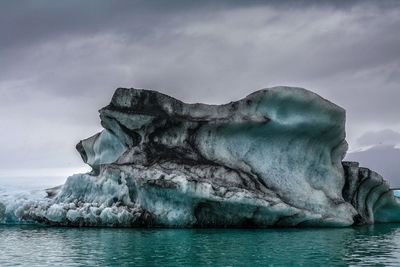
(273, 158)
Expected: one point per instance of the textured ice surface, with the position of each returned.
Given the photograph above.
(273, 158)
(14, 204)
(370, 194)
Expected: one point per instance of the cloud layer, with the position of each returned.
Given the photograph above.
(61, 61)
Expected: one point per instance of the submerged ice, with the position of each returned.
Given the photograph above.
(273, 158)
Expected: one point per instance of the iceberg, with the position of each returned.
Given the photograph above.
(273, 158)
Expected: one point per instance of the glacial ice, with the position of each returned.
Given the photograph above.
(273, 158)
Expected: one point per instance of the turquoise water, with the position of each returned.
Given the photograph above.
(377, 245)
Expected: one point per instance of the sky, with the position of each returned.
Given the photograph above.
(60, 62)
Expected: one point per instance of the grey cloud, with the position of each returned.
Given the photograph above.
(61, 61)
(384, 137)
(382, 159)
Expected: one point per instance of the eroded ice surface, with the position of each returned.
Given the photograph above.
(273, 158)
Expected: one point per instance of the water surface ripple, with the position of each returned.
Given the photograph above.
(377, 245)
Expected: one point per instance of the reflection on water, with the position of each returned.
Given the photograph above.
(46, 246)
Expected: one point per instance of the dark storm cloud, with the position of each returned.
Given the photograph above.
(61, 61)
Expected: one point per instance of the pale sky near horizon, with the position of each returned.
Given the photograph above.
(60, 61)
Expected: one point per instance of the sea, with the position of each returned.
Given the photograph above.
(39, 245)
(28, 245)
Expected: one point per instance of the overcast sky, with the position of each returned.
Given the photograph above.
(60, 61)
